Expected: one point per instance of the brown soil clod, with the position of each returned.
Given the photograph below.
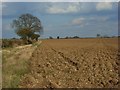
(81, 63)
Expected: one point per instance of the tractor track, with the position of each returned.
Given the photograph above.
(71, 62)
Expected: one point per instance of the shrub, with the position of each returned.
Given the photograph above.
(11, 43)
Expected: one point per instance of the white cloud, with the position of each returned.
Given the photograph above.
(83, 21)
(52, 7)
(54, 10)
(78, 7)
(78, 21)
(104, 6)
(63, 8)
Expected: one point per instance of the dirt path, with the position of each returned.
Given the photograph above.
(15, 63)
(83, 63)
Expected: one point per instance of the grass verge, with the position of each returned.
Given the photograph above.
(15, 64)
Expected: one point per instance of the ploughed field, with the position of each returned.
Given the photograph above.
(74, 63)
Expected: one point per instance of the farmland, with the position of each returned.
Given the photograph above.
(74, 63)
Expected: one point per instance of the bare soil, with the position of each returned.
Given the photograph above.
(74, 63)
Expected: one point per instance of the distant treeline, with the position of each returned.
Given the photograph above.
(13, 42)
(75, 37)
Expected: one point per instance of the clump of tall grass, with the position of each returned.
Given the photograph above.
(6, 43)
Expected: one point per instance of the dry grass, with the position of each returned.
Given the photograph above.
(15, 63)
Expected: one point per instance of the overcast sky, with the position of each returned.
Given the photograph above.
(83, 19)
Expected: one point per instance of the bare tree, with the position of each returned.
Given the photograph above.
(26, 26)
